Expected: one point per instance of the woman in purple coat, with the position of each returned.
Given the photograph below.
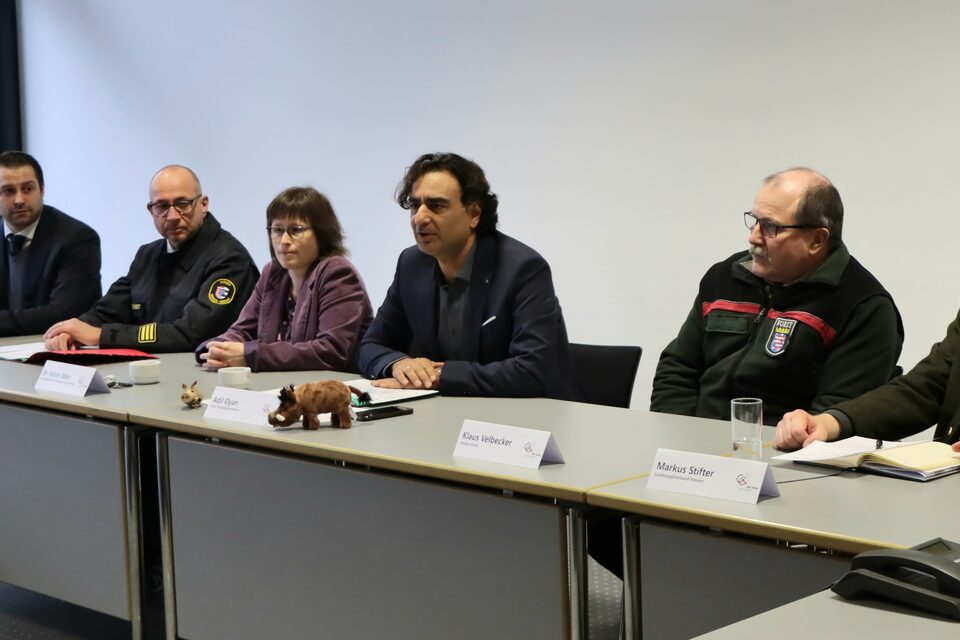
(310, 307)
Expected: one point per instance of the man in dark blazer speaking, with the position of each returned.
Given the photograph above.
(49, 262)
(471, 311)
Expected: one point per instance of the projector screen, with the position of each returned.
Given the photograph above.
(625, 139)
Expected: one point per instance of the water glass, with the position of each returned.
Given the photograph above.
(746, 418)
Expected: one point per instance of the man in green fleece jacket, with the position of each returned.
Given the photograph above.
(795, 320)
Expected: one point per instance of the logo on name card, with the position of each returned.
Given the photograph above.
(528, 447)
(780, 336)
(742, 480)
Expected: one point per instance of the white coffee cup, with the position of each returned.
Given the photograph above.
(145, 371)
(238, 377)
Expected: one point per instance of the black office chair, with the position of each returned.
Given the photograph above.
(606, 373)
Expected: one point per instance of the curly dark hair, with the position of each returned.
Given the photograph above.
(474, 187)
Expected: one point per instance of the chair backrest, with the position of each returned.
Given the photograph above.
(606, 373)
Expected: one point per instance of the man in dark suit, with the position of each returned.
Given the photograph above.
(471, 311)
(49, 262)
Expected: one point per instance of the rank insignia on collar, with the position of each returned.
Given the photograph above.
(780, 336)
(221, 291)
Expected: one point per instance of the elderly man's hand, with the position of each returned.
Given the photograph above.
(412, 373)
(70, 334)
(799, 428)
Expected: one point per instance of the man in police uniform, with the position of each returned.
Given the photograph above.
(180, 290)
(795, 321)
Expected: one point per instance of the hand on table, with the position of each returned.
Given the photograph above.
(71, 334)
(224, 354)
(798, 429)
(412, 373)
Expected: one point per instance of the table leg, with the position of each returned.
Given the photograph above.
(632, 616)
(577, 561)
(131, 470)
(166, 539)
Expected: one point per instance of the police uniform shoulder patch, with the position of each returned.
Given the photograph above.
(222, 291)
(780, 336)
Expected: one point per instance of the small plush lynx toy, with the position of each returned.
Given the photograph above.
(311, 398)
(190, 396)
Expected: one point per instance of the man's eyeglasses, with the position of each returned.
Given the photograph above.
(295, 232)
(161, 208)
(769, 228)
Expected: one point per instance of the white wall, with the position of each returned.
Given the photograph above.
(624, 138)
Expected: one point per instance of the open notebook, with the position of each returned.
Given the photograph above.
(911, 460)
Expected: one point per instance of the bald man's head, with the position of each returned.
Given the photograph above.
(820, 204)
(177, 203)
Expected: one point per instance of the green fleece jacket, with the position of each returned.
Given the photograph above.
(828, 337)
(929, 394)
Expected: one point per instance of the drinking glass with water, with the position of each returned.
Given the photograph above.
(746, 418)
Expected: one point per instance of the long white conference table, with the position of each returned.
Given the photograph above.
(379, 530)
(679, 563)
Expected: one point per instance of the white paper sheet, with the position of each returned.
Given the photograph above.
(21, 351)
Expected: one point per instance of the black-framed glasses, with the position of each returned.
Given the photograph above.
(161, 208)
(769, 228)
(295, 231)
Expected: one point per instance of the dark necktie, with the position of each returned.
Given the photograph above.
(15, 243)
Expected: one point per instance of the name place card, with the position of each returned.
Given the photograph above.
(241, 405)
(700, 474)
(502, 443)
(70, 379)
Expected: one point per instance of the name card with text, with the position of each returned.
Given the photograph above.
(699, 474)
(502, 443)
(70, 379)
(241, 405)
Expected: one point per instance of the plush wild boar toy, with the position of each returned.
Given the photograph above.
(190, 396)
(309, 399)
